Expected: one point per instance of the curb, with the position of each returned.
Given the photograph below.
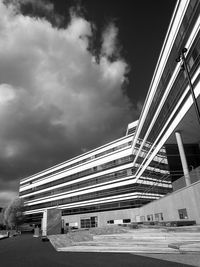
(4, 237)
(109, 250)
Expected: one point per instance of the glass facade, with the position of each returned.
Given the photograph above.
(111, 184)
(77, 163)
(175, 83)
(113, 163)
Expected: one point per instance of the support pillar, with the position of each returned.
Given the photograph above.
(183, 158)
(44, 223)
(51, 222)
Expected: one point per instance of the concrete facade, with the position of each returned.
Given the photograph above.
(186, 198)
(103, 217)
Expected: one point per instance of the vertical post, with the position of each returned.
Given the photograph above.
(183, 158)
(44, 223)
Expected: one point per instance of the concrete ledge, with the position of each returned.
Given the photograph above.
(4, 236)
(174, 246)
(187, 246)
(117, 250)
(149, 242)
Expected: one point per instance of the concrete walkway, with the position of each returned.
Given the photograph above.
(27, 251)
(139, 241)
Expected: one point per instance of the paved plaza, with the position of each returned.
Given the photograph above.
(27, 251)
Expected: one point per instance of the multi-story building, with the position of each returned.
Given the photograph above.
(168, 114)
(100, 180)
(171, 117)
(126, 179)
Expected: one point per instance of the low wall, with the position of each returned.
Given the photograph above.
(185, 198)
(104, 217)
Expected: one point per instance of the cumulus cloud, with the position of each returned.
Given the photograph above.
(56, 100)
(37, 8)
(109, 40)
(43, 5)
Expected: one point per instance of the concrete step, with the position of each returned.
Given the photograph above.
(189, 249)
(188, 246)
(132, 241)
(156, 245)
(146, 237)
(126, 249)
(120, 244)
(140, 242)
(158, 233)
(154, 234)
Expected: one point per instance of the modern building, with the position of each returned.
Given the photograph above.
(131, 179)
(171, 118)
(100, 180)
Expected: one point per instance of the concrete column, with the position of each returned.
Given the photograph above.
(183, 158)
(44, 223)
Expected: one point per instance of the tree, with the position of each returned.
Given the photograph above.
(13, 213)
(1, 220)
(1, 217)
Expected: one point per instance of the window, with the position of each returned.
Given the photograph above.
(126, 220)
(159, 217)
(150, 217)
(183, 214)
(89, 222)
(85, 223)
(110, 222)
(142, 218)
(93, 221)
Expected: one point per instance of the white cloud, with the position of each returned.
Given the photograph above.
(45, 6)
(109, 40)
(7, 94)
(55, 98)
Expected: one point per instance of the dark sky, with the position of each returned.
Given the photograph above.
(142, 28)
(73, 74)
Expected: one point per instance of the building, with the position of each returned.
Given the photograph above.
(130, 178)
(170, 117)
(99, 180)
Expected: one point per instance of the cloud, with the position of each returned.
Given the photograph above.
(6, 197)
(37, 8)
(109, 40)
(44, 5)
(56, 100)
